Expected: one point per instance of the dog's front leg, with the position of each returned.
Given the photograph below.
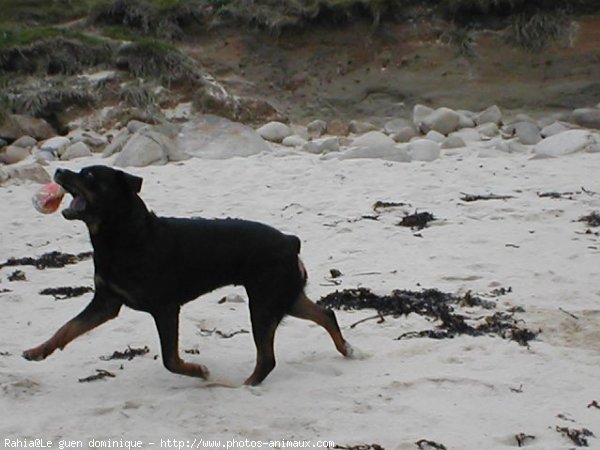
(102, 308)
(167, 323)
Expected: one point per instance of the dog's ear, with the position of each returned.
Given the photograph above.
(133, 183)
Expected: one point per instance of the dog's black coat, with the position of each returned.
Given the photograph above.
(156, 264)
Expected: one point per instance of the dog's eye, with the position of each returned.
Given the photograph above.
(89, 176)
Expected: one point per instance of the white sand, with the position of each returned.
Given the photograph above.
(457, 392)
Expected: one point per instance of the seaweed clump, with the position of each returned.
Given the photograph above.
(437, 305)
(47, 260)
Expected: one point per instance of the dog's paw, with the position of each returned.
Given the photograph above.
(353, 352)
(34, 354)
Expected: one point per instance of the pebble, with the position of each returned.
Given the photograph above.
(77, 150)
(274, 131)
(567, 142)
(293, 141)
(25, 142)
(435, 136)
(405, 134)
(453, 142)
(322, 145)
(336, 127)
(395, 126)
(443, 120)
(56, 144)
(419, 113)
(489, 115)
(316, 128)
(358, 127)
(11, 154)
(555, 128)
(587, 117)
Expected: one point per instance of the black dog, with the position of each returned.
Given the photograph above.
(156, 264)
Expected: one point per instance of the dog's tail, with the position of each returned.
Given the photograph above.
(297, 245)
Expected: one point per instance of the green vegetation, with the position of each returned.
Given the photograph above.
(16, 36)
(43, 11)
(49, 50)
(535, 31)
(155, 59)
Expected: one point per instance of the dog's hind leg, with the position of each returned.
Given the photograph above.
(304, 308)
(101, 309)
(264, 325)
(167, 323)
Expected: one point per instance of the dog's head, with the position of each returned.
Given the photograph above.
(99, 193)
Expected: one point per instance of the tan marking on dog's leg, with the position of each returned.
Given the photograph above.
(304, 308)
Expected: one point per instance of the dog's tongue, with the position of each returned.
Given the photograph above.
(76, 206)
(78, 203)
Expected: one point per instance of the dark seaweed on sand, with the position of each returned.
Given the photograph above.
(128, 354)
(62, 293)
(100, 374)
(434, 304)
(579, 437)
(52, 259)
(416, 220)
(593, 219)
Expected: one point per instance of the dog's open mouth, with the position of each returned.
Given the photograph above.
(77, 205)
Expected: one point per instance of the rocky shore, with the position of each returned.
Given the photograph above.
(430, 134)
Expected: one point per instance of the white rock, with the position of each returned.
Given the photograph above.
(488, 130)
(442, 120)
(510, 146)
(465, 119)
(56, 144)
(150, 145)
(396, 153)
(11, 154)
(274, 131)
(31, 172)
(293, 141)
(377, 145)
(527, 132)
(555, 117)
(117, 143)
(316, 128)
(467, 135)
(213, 137)
(565, 143)
(405, 134)
(587, 117)
(77, 150)
(453, 141)
(373, 139)
(419, 114)
(435, 136)
(358, 127)
(322, 145)
(44, 157)
(424, 150)
(133, 126)
(395, 126)
(489, 115)
(555, 128)
(25, 142)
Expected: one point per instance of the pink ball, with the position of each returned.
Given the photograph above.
(47, 199)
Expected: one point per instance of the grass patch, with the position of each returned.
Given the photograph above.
(17, 36)
(155, 59)
(43, 11)
(536, 31)
(49, 50)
